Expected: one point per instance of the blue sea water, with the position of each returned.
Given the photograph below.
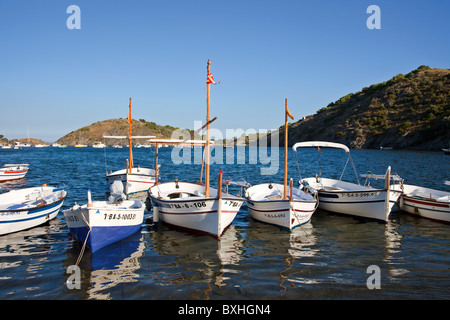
(328, 258)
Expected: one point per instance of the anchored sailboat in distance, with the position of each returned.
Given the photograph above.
(268, 203)
(134, 179)
(195, 206)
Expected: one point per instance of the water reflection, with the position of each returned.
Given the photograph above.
(107, 268)
(196, 258)
(286, 254)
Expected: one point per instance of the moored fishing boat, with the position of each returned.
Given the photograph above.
(26, 208)
(101, 223)
(425, 202)
(13, 171)
(270, 202)
(194, 206)
(267, 204)
(352, 198)
(185, 205)
(134, 179)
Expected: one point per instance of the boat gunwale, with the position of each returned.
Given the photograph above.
(199, 198)
(282, 200)
(358, 191)
(36, 206)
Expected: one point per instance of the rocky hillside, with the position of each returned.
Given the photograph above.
(407, 112)
(115, 127)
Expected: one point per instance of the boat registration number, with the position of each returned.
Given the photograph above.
(200, 204)
(119, 216)
(361, 194)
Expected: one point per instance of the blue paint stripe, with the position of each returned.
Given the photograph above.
(40, 209)
(352, 202)
(30, 218)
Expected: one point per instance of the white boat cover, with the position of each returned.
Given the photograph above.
(116, 191)
(323, 144)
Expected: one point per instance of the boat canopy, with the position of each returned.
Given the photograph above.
(323, 144)
(178, 141)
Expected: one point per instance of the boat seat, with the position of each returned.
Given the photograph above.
(176, 195)
(273, 197)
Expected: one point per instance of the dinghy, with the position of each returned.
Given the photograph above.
(13, 171)
(351, 198)
(134, 179)
(101, 223)
(30, 207)
(425, 202)
(194, 206)
(271, 204)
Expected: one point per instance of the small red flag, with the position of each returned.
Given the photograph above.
(210, 79)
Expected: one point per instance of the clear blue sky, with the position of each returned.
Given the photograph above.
(54, 80)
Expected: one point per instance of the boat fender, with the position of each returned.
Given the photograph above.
(148, 204)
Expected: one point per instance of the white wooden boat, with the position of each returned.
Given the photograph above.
(425, 202)
(101, 223)
(352, 198)
(26, 208)
(13, 171)
(98, 145)
(134, 179)
(194, 206)
(185, 205)
(277, 204)
(266, 204)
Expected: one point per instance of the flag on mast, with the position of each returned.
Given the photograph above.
(289, 114)
(210, 79)
(130, 120)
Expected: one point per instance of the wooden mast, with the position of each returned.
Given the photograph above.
(286, 115)
(207, 131)
(130, 120)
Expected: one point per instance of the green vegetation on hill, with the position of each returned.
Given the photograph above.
(115, 127)
(407, 112)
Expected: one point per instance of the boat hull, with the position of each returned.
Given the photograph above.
(283, 213)
(265, 203)
(196, 213)
(140, 179)
(362, 201)
(10, 173)
(102, 224)
(428, 203)
(21, 216)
